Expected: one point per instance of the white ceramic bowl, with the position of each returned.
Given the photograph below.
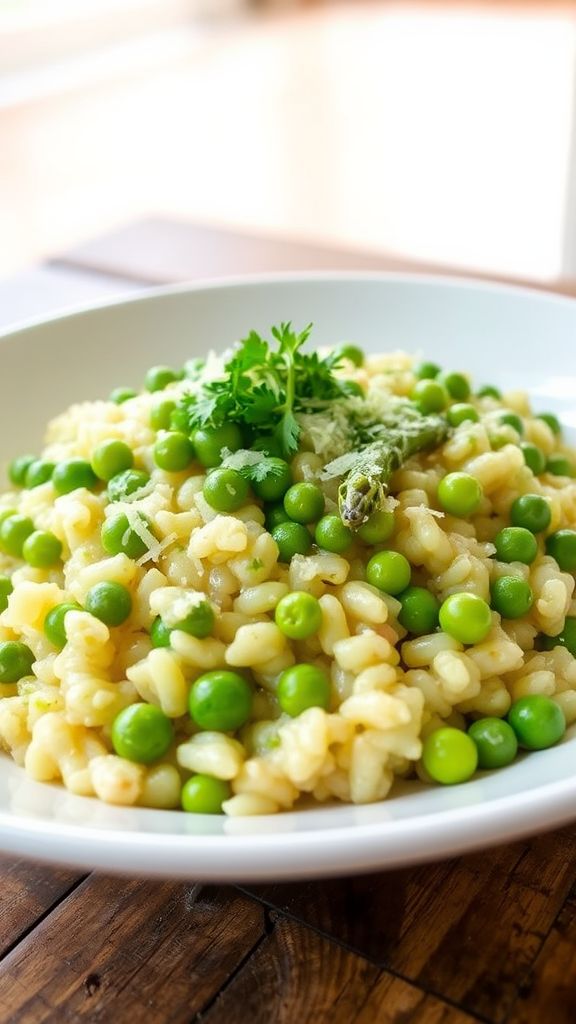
(512, 337)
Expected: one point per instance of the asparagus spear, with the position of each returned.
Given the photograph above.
(367, 470)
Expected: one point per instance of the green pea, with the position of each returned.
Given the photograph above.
(6, 589)
(209, 443)
(552, 421)
(109, 601)
(531, 511)
(42, 549)
(179, 420)
(173, 452)
(72, 474)
(118, 536)
(456, 385)
(16, 660)
(121, 395)
(301, 687)
(511, 419)
(199, 622)
(39, 472)
(489, 391)
(160, 633)
(203, 794)
(120, 487)
(161, 413)
(533, 457)
(561, 545)
(332, 535)
(420, 610)
(537, 721)
(461, 413)
(495, 741)
(110, 458)
(460, 494)
(511, 597)
(559, 465)
(298, 615)
(220, 700)
(292, 539)
(269, 446)
(142, 733)
(6, 513)
(426, 371)
(275, 481)
(378, 528)
(466, 617)
(226, 490)
(516, 544)
(158, 377)
(449, 756)
(499, 438)
(18, 468)
(14, 530)
(304, 502)
(55, 623)
(567, 637)
(274, 515)
(389, 571)
(429, 396)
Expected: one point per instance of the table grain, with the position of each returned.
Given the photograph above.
(488, 937)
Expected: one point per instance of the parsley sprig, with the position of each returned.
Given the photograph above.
(262, 388)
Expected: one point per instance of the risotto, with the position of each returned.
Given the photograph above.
(275, 577)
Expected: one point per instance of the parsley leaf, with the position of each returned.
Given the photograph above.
(254, 466)
(262, 470)
(288, 433)
(264, 387)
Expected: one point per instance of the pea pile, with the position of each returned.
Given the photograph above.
(534, 723)
(256, 463)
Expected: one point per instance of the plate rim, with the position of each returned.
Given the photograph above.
(381, 845)
(153, 292)
(316, 852)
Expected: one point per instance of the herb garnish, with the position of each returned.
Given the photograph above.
(262, 388)
(281, 393)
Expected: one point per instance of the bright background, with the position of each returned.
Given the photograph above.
(438, 131)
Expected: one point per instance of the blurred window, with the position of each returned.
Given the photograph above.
(36, 32)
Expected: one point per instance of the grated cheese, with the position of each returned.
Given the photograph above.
(155, 547)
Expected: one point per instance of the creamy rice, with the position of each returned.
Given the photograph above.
(389, 690)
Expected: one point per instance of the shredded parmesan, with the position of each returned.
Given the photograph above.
(242, 459)
(155, 547)
(174, 604)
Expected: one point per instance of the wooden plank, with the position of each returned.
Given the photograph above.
(296, 975)
(29, 891)
(127, 951)
(468, 930)
(549, 993)
(365, 914)
(160, 251)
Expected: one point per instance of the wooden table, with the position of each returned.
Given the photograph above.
(487, 937)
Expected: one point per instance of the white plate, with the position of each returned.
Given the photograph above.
(512, 337)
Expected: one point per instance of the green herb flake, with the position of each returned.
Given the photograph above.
(264, 387)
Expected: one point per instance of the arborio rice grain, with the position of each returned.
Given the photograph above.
(389, 688)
